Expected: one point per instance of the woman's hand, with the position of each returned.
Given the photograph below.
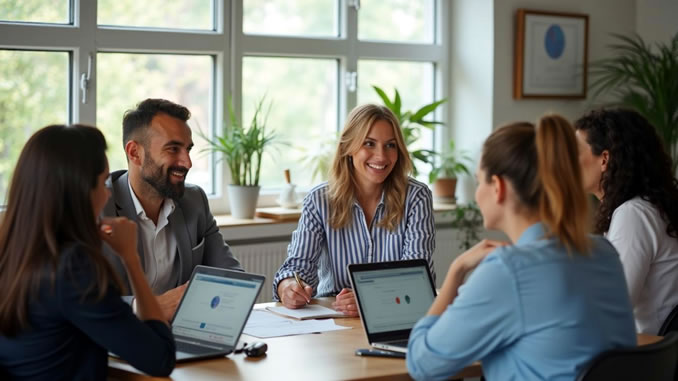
(457, 272)
(346, 303)
(293, 296)
(473, 256)
(121, 234)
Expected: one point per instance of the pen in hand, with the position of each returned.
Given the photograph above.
(301, 286)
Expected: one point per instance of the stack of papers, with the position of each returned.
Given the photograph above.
(310, 311)
(263, 324)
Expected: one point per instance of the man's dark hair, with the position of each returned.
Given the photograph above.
(137, 120)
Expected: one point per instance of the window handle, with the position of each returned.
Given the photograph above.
(355, 4)
(352, 81)
(85, 78)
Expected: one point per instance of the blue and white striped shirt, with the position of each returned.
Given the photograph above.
(320, 254)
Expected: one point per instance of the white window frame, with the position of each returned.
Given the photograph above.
(228, 45)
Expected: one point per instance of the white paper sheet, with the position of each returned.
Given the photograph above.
(310, 311)
(264, 324)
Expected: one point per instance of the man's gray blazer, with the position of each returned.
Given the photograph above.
(198, 239)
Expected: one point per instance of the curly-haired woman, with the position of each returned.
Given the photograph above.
(626, 167)
(368, 211)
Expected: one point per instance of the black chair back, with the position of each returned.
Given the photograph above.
(670, 323)
(653, 362)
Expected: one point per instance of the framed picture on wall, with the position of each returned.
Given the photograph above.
(551, 53)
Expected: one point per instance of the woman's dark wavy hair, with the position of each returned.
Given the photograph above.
(638, 165)
(49, 209)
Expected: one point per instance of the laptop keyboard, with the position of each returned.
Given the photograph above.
(398, 343)
(188, 347)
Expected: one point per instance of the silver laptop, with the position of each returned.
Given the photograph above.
(392, 297)
(213, 312)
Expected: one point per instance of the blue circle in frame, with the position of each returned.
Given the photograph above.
(554, 41)
(215, 302)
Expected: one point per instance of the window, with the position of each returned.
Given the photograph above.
(303, 97)
(316, 18)
(126, 79)
(396, 20)
(68, 61)
(186, 14)
(33, 94)
(387, 43)
(36, 11)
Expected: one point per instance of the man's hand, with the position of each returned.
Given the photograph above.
(170, 300)
(346, 303)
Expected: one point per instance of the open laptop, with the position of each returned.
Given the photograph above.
(213, 312)
(392, 297)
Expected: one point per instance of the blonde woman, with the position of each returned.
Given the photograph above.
(368, 211)
(544, 306)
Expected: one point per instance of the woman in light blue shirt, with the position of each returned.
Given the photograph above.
(368, 211)
(544, 306)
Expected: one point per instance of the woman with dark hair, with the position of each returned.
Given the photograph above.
(626, 167)
(543, 307)
(61, 312)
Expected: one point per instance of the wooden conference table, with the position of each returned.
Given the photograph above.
(325, 356)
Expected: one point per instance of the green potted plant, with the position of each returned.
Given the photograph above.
(242, 149)
(318, 156)
(444, 174)
(643, 78)
(411, 123)
(468, 221)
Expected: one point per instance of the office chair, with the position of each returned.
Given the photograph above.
(654, 362)
(670, 324)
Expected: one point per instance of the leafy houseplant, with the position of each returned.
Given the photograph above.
(411, 123)
(646, 80)
(443, 176)
(243, 148)
(468, 220)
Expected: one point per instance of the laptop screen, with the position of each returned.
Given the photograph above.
(215, 308)
(393, 299)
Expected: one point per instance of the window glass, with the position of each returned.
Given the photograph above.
(303, 113)
(312, 18)
(33, 94)
(415, 83)
(396, 20)
(125, 79)
(185, 14)
(43, 11)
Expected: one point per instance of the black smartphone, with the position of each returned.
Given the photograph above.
(378, 353)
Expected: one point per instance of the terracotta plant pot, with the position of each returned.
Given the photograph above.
(444, 190)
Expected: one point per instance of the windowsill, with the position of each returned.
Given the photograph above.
(291, 216)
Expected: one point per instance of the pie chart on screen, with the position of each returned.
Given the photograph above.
(215, 302)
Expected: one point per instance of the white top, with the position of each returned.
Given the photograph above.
(650, 259)
(160, 246)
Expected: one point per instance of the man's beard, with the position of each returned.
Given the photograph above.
(153, 175)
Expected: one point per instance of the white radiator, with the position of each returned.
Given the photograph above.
(264, 259)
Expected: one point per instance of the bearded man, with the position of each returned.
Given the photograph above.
(176, 230)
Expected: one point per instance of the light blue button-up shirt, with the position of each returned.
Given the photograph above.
(529, 312)
(320, 253)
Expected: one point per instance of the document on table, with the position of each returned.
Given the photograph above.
(264, 324)
(310, 311)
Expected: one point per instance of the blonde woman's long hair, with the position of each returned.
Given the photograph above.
(342, 183)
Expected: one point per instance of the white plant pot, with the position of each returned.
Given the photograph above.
(243, 200)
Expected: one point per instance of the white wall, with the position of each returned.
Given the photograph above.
(605, 17)
(657, 20)
(481, 64)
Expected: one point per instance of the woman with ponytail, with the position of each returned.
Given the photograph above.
(370, 210)
(543, 306)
